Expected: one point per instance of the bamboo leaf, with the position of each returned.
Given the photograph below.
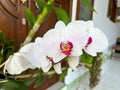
(40, 4)
(30, 17)
(29, 81)
(39, 81)
(88, 4)
(62, 15)
(12, 85)
(2, 37)
(1, 59)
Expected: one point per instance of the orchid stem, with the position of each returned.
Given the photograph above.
(38, 22)
(33, 75)
(3, 64)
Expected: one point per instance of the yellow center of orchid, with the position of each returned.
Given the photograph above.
(66, 47)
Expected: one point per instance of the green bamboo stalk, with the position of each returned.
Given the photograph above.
(38, 22)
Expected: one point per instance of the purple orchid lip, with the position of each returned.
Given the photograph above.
(89, 40)
(66, 47)
(49, 58)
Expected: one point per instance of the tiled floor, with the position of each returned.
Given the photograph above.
(110, 80)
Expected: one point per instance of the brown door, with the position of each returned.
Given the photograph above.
(13, 23)
(11, 17)
(13, 20)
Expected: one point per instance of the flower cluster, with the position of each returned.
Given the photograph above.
(63, 41)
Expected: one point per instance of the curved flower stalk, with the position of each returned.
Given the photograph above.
(97, 41)
(63, 41)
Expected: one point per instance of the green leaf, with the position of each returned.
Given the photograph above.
(12, 85)
(1, 59)
(88, 4)
(83, 57)
(30, 16)
(62, 15)
(39, 81)
(51, 75)
(86, 58)
(40, 4)
(62, 76)
(29, 81)
(2, 37)
(90, 60)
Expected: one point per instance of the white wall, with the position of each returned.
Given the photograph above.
(100, 19)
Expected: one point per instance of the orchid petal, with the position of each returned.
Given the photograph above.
(77, 33)
(73, 62)
(57, 68)
(17, 64)
(80, 25)
(90, 24)
(37, 57)
(90, 51)
(38, 40)
(26, 47)
(59, 25)
(47, 68)
(56, 55)
(99, 42)
(51, 43)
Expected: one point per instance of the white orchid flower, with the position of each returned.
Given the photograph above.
(64, 40)
(37, 56)
(28, 57)
(17, 63)
(97, 41)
